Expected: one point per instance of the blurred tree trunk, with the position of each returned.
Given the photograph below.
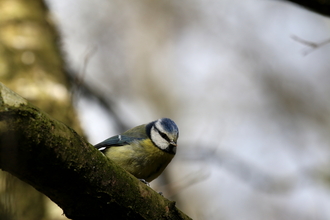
(31, 64)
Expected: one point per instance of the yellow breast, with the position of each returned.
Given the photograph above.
(142, 159)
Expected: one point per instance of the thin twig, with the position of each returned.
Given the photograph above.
(78, 78)
(312, 45)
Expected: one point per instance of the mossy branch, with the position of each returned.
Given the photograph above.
(55, 160)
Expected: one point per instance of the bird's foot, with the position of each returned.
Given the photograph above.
(145, 182)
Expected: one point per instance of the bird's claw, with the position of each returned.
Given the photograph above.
(145, 182)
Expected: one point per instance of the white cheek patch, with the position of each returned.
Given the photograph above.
(159, 126)
(157, 139)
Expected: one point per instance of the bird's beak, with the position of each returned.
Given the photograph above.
(173, 143)
(173, 146)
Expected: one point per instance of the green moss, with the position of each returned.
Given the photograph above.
(51, 155)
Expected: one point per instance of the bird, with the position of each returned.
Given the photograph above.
(145, 150)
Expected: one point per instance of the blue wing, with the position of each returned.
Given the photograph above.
(118, 140)
(126, 138)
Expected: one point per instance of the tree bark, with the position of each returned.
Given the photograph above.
(31, 63)
(58, 162)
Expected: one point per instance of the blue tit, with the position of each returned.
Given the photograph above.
(143, 151)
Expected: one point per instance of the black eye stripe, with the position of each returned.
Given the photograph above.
(163, 135)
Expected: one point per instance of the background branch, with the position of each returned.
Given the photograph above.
(319, 6)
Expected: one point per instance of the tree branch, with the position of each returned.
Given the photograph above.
(55, 160)
(319, 6)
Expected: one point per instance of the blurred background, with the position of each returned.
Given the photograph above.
(242, 81)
